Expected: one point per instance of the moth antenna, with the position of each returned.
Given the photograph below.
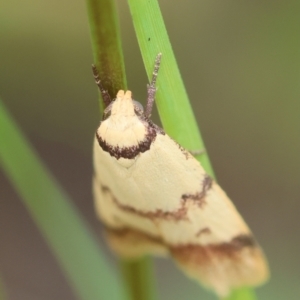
(105, 95)
(151, 89)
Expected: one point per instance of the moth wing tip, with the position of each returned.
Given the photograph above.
(223, 272)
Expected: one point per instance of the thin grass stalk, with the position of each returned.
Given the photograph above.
(106, 45)
(107, 51)
(172, 100)
(66, 233)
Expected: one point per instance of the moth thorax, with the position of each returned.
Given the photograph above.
(122, 131)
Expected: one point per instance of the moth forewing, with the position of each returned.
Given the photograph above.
(154, 197)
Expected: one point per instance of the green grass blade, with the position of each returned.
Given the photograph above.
(106, 44)
(172, 100)
(66, 233)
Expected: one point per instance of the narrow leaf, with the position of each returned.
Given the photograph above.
(172, 100)
(67, 234)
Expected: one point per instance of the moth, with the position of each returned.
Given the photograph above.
(154, 197)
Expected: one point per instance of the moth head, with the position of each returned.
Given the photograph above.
(125, 131)
(124, 106)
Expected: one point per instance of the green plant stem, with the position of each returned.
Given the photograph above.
(50, 207)
(242, 294)
(106, 44)
(172, 100)
(139, 278)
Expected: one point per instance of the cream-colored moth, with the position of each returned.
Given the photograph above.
(154, 197)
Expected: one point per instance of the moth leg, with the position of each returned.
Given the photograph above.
(151, 89)
(105, 96)
(197, 152)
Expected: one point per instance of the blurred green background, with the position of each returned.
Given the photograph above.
(240, 61)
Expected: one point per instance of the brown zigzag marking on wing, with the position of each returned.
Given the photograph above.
(199, 198)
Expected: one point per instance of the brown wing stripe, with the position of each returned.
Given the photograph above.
(223, 249)
(199, 197)
(180, 214)
(229, 248)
